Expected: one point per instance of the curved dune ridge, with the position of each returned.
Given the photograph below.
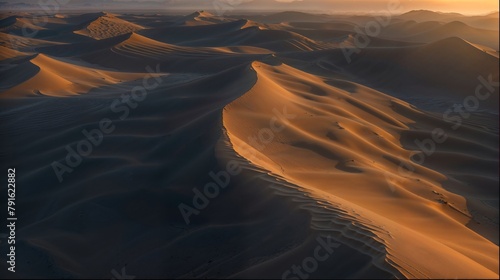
(200, 18)
(58, 78)
(107, 26)
(8, 53)
(15, 23)
(336, 139)
(328, 150)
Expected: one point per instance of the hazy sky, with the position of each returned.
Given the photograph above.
(326, 6)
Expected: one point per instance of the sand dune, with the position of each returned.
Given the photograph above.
(459, 29)
(145, 52)
(16, 24)
(43, 75)
(8, 53)
(21, 43)
(425, 15)
(275, 40)
(290, 17)
(194, 34)
(427, 32)
(489, 21)
(484, 22)
(107, 26)
(341, 145)
(328, 150)
(200, 18)
(413, 71)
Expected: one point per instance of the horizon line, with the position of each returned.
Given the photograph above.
(181, 11)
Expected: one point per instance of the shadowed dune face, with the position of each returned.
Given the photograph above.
(235, 146)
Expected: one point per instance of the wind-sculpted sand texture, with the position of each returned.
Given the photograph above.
(305, 140)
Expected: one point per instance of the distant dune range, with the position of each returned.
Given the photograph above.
(343, 163)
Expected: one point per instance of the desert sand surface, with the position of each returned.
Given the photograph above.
(210, 146)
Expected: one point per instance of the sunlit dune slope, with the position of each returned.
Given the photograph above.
(335, 137)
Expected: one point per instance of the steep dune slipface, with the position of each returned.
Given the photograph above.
(333, 140)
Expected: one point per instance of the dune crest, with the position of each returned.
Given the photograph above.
(45, 75)
(338, 144)
(107, 26)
